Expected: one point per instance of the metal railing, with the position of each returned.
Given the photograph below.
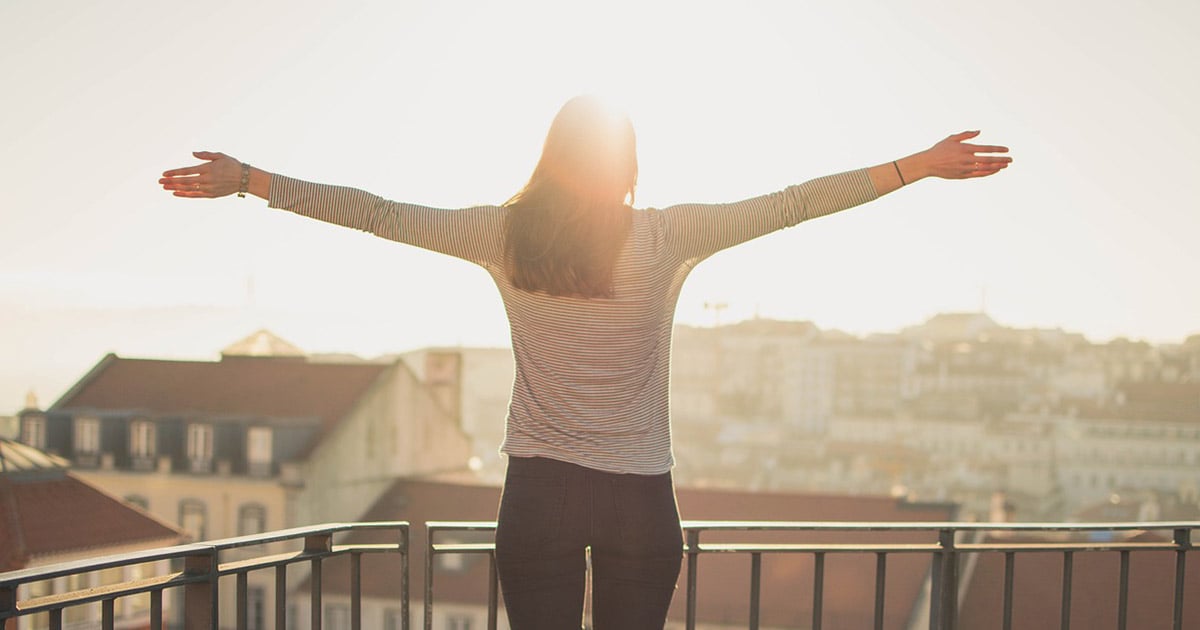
(202, 568)
(948, 546)
(944, 545)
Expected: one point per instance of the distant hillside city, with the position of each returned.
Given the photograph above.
(1040, 423)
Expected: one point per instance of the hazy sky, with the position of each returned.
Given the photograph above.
(1094, 227)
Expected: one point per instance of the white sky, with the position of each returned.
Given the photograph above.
(1094, 227)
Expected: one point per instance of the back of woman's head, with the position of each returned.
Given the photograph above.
(565, 228)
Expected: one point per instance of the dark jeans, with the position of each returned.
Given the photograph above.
(551, 512)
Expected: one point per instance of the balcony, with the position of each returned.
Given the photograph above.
(950, 555)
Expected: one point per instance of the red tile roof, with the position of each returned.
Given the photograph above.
(724, 580)
(270, 387)
(50, 512)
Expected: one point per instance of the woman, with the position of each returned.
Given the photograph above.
(589, 285)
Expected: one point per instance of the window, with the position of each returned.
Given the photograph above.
(256, 608)
(252, 519)
(258, 451)
(337, 617)
(193, 518)
(200, 447)
(392, 618)
(33, 432)
(87, 436)
(142, 439)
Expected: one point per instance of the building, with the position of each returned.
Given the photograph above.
(49, 515)
(262, 439)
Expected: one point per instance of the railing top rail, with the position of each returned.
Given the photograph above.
(301, 532)
(433, 526)
(860, 526)
(60, 569)
(211, 547)
(929, 526)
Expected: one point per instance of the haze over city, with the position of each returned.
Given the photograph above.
(1092, 229)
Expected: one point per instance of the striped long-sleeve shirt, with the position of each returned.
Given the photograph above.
(592, 375)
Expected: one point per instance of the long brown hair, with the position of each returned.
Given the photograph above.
(564, 229)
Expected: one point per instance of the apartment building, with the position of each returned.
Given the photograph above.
(262, 439)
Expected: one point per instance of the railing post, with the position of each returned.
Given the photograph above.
(1183, 542)
(693, 554)
(355, 591)
(427, 609)
(405, 550)
(755, 588)
(943, 590)
(200, 598)
(316, 544)
(8, 601)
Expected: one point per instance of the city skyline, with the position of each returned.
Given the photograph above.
(158, 334)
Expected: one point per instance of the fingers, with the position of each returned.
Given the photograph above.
(986, 148)
(189, 184)
(190, 190)
(983, 169)
(189, 170)
(199, 169)
(964, 135)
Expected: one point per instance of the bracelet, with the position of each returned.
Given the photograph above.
(902, 182)
(246, 180)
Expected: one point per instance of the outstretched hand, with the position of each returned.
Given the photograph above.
(954, 158)
(220, 175)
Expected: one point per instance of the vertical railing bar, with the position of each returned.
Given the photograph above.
(1123, 595)
(1068, 571)
(493, 592)
(880, 585)
(107, 613)
(8, 601)
(315, 595)
(818, 588)
(316, 544)
(1183, 540)
(404, 551)
(200, 598)
(755, 587)
(281, 597)
(243, 611)
(945, 587)
(693, 563)
(935, 590)
(156, 609)
(355, 591)
(1010, 566)
(56, 619)
(428, 607)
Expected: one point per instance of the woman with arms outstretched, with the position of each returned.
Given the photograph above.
(589, 285)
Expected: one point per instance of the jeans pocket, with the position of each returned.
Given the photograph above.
(647, 517)
(531, 512)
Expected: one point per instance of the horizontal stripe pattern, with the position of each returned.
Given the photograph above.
(592, 375)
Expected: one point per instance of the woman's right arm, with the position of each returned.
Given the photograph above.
(471, 234)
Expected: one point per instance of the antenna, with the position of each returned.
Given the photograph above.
(716, 308)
